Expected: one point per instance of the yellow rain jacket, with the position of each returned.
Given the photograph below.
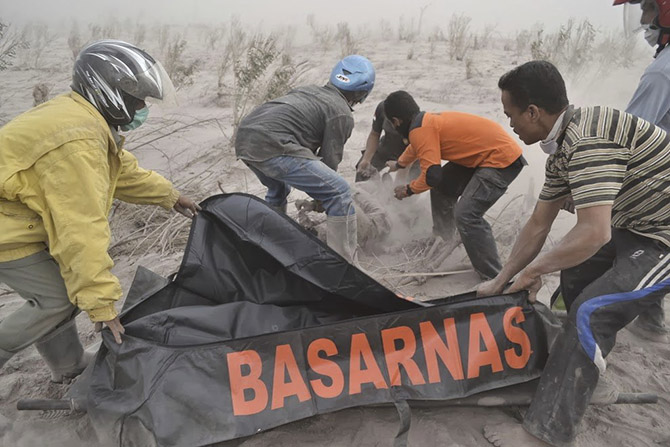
(60, 169)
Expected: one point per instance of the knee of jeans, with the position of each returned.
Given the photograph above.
(340, 204)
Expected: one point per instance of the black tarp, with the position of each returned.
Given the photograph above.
(264, 324)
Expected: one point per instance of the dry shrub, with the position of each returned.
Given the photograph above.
(435, 37)
(385, 30)
(139, 33)
(40, 38)
(484, 38)
(322, 35)
(95, 32)
(214, 37)
(180, 72)
(569, 48)
(259, 73)
(74, 42)
(11, 42)
(406, 30)
(458, 39)
(233, 50)
(111, 28)
(163, 33)
(348, 45)
(522, 41)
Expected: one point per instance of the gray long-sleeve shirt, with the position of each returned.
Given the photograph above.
(651, 100)
(308, 122)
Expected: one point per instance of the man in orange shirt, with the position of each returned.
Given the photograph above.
(483, 160)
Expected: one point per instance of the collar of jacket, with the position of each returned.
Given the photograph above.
(330, 86)
(114, 145)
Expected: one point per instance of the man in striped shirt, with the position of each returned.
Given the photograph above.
(614, 262)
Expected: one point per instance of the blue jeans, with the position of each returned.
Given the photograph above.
(311, 176)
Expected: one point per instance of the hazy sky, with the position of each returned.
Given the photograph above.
(506, 14)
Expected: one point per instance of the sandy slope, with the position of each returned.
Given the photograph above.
(200, 161)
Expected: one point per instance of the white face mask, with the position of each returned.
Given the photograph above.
(651, 34)
(549, 146)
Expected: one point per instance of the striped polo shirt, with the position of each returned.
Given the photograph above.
(609, 157)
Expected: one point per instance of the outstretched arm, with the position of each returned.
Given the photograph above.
(527, 246)
(371, 146)
(141, 186)
(592, 231)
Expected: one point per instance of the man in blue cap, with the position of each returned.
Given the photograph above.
(297, 141)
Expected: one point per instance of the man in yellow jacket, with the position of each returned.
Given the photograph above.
(61, 165)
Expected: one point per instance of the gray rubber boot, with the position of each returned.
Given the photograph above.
(342, 235)
(63, 352)
(4, 357)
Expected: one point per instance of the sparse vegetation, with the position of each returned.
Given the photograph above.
(435, 37)
(74, 41)
(484, 38)
(261, 72)
(10, 43)
(348, 44)
(248, 74)
(139, 34)
(322, 35)
(163, 38)
(522, 41)
(569, 48)
(406, 30)
(95, 32)
(40, 38)
(180, 71)
(457, 36)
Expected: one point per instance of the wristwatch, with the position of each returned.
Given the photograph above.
(409, 191)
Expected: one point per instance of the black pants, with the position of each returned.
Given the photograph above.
(478, 189)
(628, 276)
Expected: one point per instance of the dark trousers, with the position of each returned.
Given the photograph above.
(654, 318)
(478, 189)
(627, 276)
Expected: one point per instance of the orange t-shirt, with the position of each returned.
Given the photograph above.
(465, 139)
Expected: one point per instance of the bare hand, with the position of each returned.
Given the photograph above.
(365, 169)
(310, 205)
(489, 288)
(187, 207)
(115, 326)
(400, 192)
(392, 165)
(526, 282)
